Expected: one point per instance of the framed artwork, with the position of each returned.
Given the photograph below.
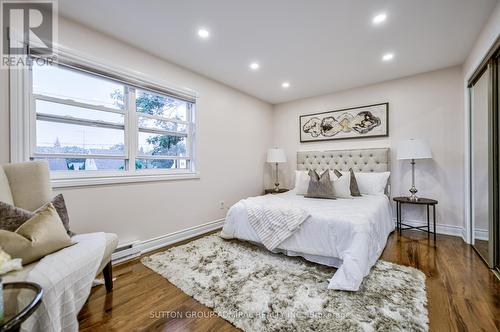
(356, 122)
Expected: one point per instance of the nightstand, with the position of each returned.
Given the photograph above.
(421, 201)
(272, 191)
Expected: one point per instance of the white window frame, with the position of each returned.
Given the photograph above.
(23, 125)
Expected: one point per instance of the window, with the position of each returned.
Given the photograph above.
(88, 125)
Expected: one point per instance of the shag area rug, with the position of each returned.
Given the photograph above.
(257, 290)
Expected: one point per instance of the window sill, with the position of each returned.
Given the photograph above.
(109, 180)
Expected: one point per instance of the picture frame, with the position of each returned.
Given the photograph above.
(367, 121)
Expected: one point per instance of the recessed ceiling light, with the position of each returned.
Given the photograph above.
(203, 33)
(388, 57)
(285, 85)
(379, 18)
(254, 65)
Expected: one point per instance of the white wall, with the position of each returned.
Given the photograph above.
(234, 133)
(426, 106)
(486, 38)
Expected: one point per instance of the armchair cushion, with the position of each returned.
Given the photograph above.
(5, 194)
(29, 184)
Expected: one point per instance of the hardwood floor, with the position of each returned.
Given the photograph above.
(482, 248)
(463, 295)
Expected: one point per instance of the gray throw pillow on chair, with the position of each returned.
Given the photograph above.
(11, 217)
(320, 186)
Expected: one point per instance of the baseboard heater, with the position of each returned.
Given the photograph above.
(134, 249)
(126, 252)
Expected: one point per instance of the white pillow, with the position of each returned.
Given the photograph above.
(372, 183)
(301, 182)
(341, 185)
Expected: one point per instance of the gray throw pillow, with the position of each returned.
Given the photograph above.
(60, 205)
(37, 237)
(320, 186)
(12, 217)
(353, 186)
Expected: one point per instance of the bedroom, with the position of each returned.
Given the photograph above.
(156, 132)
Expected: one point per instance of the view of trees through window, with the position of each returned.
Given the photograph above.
(159, 144)
(81, 125)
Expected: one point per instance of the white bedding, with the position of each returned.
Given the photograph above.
(346, 233)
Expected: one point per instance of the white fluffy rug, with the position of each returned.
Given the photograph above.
(260, 291)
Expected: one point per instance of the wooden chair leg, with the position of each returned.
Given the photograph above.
(108, 277)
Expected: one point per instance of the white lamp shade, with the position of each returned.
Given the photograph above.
(414, 149)
(276, 156)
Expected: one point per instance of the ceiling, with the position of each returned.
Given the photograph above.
(317, 46)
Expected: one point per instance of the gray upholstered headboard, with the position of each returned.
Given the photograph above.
(361, 160)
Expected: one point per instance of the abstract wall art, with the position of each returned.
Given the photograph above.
(356, 122)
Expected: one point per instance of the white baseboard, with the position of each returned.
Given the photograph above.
(146, 246)
(452, 230)
(464, 236)
(481, 234)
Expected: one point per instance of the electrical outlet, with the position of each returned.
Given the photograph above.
(221, 205)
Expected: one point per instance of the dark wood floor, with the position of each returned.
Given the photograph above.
(482, 248)
(463, 295)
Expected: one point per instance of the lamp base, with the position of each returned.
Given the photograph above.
(413, 191)
(277, 182)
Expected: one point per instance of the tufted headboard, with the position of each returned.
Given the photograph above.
(361, 160)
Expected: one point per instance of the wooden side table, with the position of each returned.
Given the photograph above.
(421, 201)
(272, 191)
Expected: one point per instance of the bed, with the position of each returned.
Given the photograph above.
(349, 234)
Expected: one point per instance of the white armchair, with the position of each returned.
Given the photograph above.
(27, 185)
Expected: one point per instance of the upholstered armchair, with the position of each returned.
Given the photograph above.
(27, 185)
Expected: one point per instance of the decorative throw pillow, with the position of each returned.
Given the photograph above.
(62, 211)
(372, 183)
(301, 182)
(340, 183)
(353, 184)
(320, 186)
(41, 235)
(12, 217)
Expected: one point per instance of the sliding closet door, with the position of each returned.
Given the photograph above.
(482, 166)
(495, 103)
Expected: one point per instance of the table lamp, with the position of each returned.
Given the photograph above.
(276, 156)
(410, 150)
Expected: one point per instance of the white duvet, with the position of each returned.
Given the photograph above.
(349, 234)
